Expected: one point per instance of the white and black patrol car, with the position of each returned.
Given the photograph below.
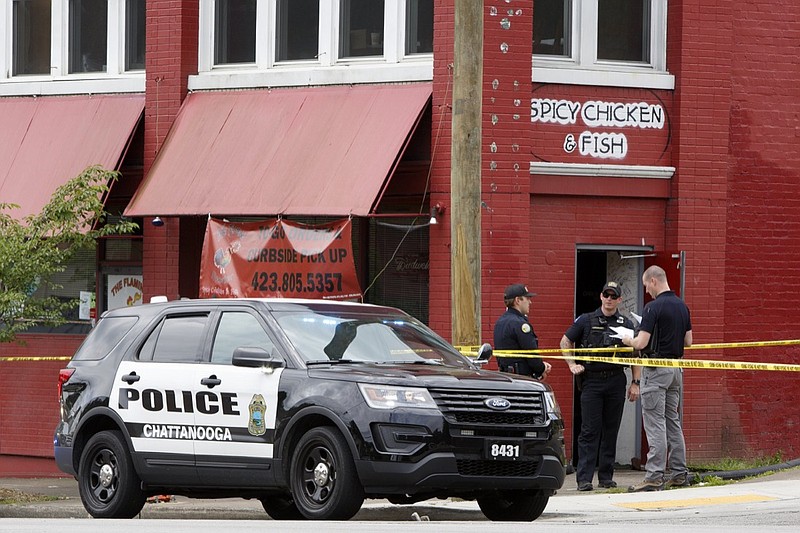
(309, 406)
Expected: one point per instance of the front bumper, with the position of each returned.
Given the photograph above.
(445, 472)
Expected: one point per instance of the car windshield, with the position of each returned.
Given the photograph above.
(396, 339)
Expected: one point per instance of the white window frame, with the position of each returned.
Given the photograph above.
(60, 81)
(583, 67)
(326, 69)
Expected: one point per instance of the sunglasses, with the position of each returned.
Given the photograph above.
(610, 295)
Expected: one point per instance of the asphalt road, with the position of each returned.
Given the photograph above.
(768, 503)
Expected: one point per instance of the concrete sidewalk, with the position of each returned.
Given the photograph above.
(68, 503)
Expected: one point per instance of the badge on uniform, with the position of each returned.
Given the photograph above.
(526, 328)
(258, 412)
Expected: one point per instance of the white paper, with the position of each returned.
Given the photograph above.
(621, 331)
(637, 318)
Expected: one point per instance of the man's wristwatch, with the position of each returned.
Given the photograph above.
(635, 382)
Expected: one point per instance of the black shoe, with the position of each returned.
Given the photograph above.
(681, 480)
(646, 486)
(585, 486)
(607, 484)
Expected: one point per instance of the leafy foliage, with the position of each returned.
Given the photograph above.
(38, 246)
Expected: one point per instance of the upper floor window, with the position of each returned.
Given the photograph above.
(94, 42)
(88, 35)
(301, 42)
(297, 30)
(30, 37)
(419, 27)
(361, 28)
(601, 42)
(134, 34)
(235, 31)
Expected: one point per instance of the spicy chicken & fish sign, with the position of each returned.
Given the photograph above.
(278, 259)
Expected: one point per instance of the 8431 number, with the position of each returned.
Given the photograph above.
(508, 451)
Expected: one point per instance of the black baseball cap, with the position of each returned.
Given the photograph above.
(614, 287)
(516, 290)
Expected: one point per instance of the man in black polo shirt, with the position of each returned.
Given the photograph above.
(602, 386)
(666, 329)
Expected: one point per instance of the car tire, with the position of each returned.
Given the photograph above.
(514, 506)
(323, 476)
(107, 482)
(281, 507)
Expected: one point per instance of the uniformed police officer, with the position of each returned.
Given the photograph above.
(512, 331)
(602, 387)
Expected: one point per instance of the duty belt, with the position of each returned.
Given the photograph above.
(603, 374)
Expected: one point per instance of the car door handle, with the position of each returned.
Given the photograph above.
(131, 378)
(211, 381)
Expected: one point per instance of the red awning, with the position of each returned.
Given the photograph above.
(46, 141)
(307, 151)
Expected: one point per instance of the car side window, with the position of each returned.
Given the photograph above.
(177, 339)
(237, 328)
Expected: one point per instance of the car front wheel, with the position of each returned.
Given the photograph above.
(107, 482)
(323, 477)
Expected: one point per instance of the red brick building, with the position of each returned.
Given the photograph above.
(614, 134)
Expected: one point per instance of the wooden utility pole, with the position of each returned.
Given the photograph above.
(465, 172)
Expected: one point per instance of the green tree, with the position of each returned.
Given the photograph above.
(36, 247)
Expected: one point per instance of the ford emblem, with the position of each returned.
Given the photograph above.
(498, 404)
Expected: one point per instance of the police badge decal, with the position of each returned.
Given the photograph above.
(258, 412)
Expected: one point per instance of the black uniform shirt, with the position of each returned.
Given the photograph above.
(581, 329)
(512, 331)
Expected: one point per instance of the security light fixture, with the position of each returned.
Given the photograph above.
(436, 211)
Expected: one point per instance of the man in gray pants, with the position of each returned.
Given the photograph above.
(666, 328)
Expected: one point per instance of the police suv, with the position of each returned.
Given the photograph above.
(309, 406)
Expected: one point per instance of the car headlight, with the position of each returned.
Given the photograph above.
(551, 404)
(389, 397)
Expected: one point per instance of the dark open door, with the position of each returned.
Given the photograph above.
(674, 264)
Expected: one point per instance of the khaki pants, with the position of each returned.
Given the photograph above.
(661, 396)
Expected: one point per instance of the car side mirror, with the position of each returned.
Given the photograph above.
(255, 357)
(484, 353)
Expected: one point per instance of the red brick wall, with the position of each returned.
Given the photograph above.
(439, 273)
(558, 223)
(505, 223)
(505, 157)
(762, 260)
(28, 402)
(172, 40)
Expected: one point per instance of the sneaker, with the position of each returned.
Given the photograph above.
(585, 486)
(681, 480)
(646, 486)
(607, 484)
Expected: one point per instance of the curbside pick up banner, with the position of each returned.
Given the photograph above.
(278, 259)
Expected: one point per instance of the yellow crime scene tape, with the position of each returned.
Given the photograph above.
(581, 353)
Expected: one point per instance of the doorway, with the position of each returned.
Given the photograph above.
(594, 266)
